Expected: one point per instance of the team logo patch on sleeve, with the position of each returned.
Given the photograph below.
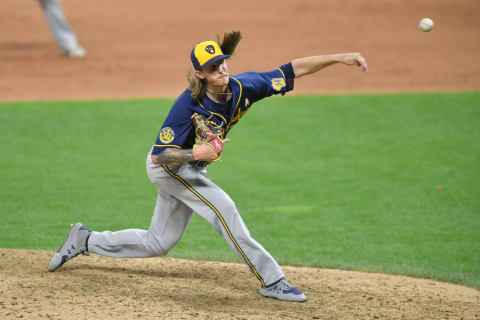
(166, 135)
(278, 83)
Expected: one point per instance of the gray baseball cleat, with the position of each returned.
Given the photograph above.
(283, 290)
(75, 244)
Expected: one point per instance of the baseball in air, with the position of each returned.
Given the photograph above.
(426, 24)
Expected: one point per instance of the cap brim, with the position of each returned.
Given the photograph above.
(215, 59)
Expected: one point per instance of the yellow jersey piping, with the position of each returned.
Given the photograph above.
(211, 113)
(282, 74)
(167, 145)
(217, 114)
(201, 105)
(238, 101)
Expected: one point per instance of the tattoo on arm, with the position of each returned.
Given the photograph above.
(172, 156)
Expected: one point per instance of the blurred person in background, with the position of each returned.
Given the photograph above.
(61, 30)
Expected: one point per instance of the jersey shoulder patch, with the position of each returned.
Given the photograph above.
(278, 83)
(167, 135)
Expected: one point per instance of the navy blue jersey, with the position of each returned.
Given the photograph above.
(178, 130)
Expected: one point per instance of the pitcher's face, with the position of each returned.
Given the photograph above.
(215, 75)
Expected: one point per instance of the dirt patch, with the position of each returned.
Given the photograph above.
(162, 288)
(143, 50)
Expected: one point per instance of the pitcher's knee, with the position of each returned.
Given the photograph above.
(155, 246)
(160, 245)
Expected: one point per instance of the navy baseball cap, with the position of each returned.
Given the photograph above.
(206, 53)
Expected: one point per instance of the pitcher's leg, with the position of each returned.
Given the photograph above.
(127, 243)
(214, 205)
(169, 221)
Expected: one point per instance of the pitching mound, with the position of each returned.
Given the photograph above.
(96, 287)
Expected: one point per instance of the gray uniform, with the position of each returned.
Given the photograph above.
(185, 189)
(181, 191)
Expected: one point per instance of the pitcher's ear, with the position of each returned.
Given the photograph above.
(199, 74)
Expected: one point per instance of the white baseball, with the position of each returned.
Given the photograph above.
(426, 24)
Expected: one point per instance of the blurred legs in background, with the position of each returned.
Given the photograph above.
(61, 30)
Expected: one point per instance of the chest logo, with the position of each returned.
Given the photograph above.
(247, 103)
(166, 135)
(278, 83)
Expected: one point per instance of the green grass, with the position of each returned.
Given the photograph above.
(345, 182)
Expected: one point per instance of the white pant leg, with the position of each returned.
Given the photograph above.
(61, 31)
(215, 206)
(169, 221)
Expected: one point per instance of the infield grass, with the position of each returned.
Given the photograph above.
(386, 183)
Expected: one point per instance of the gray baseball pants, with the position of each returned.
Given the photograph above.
(61, 30)
(181, 191)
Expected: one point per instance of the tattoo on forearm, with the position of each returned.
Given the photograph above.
(175, 156)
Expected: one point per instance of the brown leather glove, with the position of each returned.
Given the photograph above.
(207, 132)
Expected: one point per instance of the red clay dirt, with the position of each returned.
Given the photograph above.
(141, 50)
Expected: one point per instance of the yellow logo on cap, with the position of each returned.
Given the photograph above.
(204, 51)
(278, 83)
(166, 135)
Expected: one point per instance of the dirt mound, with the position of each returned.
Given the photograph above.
(96, 287)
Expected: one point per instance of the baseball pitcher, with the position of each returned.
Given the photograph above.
(191, 138)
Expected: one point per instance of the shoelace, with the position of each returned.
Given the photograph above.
(282, 285)
(71, 252)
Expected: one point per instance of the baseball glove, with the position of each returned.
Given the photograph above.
(207, 132)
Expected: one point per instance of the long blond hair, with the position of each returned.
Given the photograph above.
(196, 85)
(228, 45)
